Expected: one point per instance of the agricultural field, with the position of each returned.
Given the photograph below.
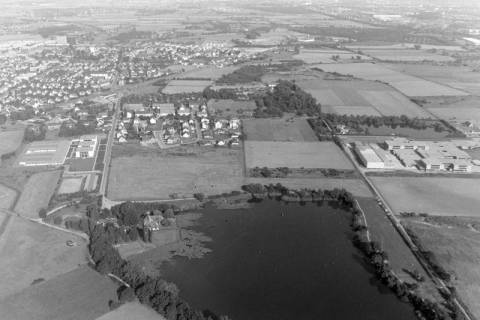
(327, 55)
(457, 249)
(30, 251)
(79, 294)
(37, 193)
(356, 186)
(164, 175)
(433, 195)
(7, 197)
(186, 86)
(132, 310)
(461, 78)
(407, 55)
(293, 129)
(70, 185)
(308, 155)
(367, 46)
(409, 85)
(209, 72)
(228, 107)
(10, 141)
(361, 97)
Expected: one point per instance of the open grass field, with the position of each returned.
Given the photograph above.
(209, 72)
(461, 113)
(409, 85)
(325, 55)
(461, 78)
(361, 97)
(186, 86)
(278, 130)
(10, 141)
(352, 110)
(7, 197)
(458, 251)
(276, 154)
(407, 55)
(432, 195)
(158, 175)
(132, 310)
(30, 251)
(228, 107)
(81, 294)
(385, 46)
(70, 185)
(37, 193)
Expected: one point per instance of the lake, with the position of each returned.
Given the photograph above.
(282, 261)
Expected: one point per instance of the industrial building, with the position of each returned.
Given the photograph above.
(45, 153)
(368, 157)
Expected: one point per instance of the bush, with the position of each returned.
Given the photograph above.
(42, 213)
(199, 196)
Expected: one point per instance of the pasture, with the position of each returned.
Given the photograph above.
(459, 114)
(79, 294)
(37, 193)
(7, 197)
(308, 155)
(164, 175)
(132, 310)
(30, 251)
(70, 185)
(409, 85)
(458, 77)
(327, 55)
(433, 195)
(10, 141)
(407, 55)
(209, 72)
(352, 110)
(373, 98)
(228, 107)
(457, 249)
(278, 130)
(186, 86)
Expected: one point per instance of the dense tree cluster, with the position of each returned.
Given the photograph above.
(35, 132)
(286, 97)
(245, 74)
(70, 129)
(283, 172)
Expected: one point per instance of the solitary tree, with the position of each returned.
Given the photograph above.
(42, 213)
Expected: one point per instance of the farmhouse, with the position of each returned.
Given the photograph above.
(45, 153)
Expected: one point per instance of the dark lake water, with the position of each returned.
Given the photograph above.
(282, 261)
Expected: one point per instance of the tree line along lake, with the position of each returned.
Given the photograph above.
(282, 261)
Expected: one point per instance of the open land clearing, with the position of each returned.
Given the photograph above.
(432, 195)
(293, 129)
(325, 55)
(407, 55)
(132, 310)
(186, 86)
(457, 249)
(7, 197)
(308, 155)
(33, 197)
(70, 185)
(462, 78)
(409, 85)
(10, 141)
(361, 97)
(30, 251)
(158, 175)
(228, 107)
(210, 72)
(81, 294)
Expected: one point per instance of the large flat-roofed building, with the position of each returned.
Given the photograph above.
(85, 146)
(403, 143)
(164, 109)
(45, 153)
(369, 157)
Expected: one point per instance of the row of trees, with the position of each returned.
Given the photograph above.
(283, 172)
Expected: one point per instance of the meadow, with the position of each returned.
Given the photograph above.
(7, 197)
(293, 129)
(209, 72)
(155, 175)
(70, 185)
(407, 55)
(276, 154)
(186, 86)
(132, 310)
(409, 85)
(448, 196)
(10, 141)
(37, 193)
(326, 55)
(228, 107)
